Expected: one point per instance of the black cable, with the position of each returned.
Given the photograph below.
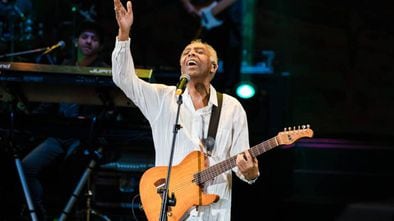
(133, 207)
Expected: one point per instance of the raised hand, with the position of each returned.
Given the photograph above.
(124, 18)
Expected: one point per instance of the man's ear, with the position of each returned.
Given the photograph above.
(214, 67)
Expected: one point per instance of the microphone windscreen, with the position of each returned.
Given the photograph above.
(185, 76)
(61, 44)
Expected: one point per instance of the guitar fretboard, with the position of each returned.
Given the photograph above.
(217, 169)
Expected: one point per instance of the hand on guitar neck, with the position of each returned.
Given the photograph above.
(208, 20)
(208, 14)
(208, 11)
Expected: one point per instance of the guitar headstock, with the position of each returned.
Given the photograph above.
(291, 135)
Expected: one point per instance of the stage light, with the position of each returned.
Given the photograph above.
(245, 90)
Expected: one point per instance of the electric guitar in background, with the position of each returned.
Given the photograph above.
(188, 177)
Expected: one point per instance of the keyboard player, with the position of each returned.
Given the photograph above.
(56, 146)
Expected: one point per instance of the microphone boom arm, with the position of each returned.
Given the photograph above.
(45, 49)
(23, 52)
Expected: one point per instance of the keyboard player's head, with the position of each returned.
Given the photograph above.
(89, 44)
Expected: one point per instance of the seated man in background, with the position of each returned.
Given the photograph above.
(60, 143)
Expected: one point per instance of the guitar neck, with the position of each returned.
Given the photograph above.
(219, 168)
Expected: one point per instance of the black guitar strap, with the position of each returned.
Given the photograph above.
(209, 142)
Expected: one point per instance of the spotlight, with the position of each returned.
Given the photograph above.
(245, 90)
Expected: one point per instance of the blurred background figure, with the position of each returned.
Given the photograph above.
(219, 23)
(18, 27)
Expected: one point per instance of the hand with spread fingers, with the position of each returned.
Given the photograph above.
(124, 18)
(248, 165)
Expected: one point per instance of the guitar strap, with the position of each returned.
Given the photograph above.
(213, 124)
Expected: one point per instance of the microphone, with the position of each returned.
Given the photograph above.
(60, 44)
(180, 87)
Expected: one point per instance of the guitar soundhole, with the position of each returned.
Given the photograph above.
(160, 184)
(160, 188)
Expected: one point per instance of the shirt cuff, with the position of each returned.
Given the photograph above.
(122, 42)
(254, 180)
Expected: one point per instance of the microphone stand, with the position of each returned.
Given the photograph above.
(19, 166)
(23, 52)
(166, 201)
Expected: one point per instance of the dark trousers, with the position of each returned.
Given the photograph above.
(50, 151)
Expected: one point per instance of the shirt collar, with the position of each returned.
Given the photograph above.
(213, 99)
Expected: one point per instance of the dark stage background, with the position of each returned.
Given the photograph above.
(332, 69)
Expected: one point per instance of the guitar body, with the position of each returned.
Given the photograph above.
(187, 193)
(188, 177)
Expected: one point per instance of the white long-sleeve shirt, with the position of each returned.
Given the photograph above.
(158, 103)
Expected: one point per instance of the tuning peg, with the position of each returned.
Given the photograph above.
(294, 128)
